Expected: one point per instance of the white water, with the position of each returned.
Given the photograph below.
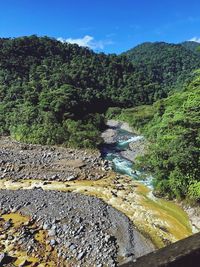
(119, 163)
(122, 165)
(132, 139)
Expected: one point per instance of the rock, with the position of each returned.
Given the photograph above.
(2, 257)
(7, 225)
(46, 226)
(81, 255)
(109, 136)
(65, 227)
(13, 210)
(52, 242)
(76, 225)
(68, 244)
(10, 237)
(51, 232)
(24, 263)
(79, 220)
(107, 238)
(55, 176)
(4, 236)
(71, 178)
(54, 226)
(81, 229)
(72, 247)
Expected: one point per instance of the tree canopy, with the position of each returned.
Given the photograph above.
(50, 91)
(172, 127)
(169, 64)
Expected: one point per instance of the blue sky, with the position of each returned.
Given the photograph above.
(111, 26)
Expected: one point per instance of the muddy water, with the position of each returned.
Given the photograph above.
(159, 220)
(168, 217)
(18, 254)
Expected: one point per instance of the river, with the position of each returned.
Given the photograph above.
(159, 220)
(163, 214)
(121, 163)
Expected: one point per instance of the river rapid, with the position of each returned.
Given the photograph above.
(121, 147)
(125, 188)
(119, 155)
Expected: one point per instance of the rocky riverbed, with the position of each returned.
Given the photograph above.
(79, 230)
(134, 148)
(65, 228)
(27, 161)
(72, 226)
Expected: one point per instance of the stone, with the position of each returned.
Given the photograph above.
(71, 178)
(2, 257)
(46, 226)
(7, 225)
(55, 176)
(4, 236)
(53, 227)
(51, 232)
(52, 242)
(107, 238)
(68, 244)
(14, 209)
(72, 247)
(65, 227)
(10, 237)
(82, 228)
(79, 220)
(80, 256)
(24, 263)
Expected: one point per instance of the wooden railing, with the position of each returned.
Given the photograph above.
(184, 253)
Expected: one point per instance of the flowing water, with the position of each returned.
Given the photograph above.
(159, 220)
(159, 211)
(120, 164)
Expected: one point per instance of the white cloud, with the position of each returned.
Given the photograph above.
(195, 39)
(87, 41)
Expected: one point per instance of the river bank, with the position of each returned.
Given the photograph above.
(136, 148)
(79, 230)
(153, 223)
(20, 161)
(38, 206)
(121, 147)
(161, 221)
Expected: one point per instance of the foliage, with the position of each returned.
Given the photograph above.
(49, 90)
(168, 64)
(174, 155)
(136, 117)
(193, 46)
(172, 127)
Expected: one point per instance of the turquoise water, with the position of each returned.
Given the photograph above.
(118, 162)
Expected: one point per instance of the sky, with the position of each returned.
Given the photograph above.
(110, 26)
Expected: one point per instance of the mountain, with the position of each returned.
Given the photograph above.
(51, 92)
(98, 76)
(192, 46)
(169, 64)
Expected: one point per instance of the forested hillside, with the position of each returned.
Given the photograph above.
(169, 64)
(53, 92)
(50, 91)
(192, 46)
(172, 127)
